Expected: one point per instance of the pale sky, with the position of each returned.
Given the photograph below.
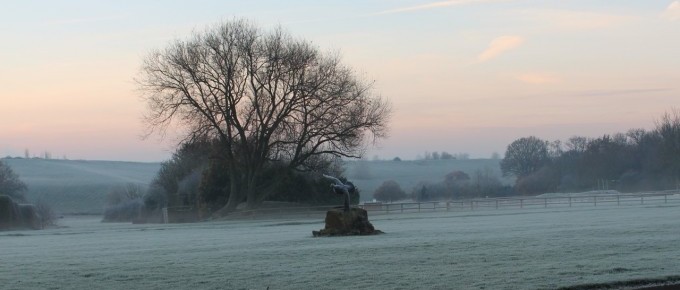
(462, 75)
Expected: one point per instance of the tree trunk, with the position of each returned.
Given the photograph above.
(253, 198)
(235, 197)
(346, 204)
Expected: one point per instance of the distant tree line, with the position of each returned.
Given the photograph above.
(455, 185)
(45, 155)
(633, 161)
(459, 185)
(435, 155)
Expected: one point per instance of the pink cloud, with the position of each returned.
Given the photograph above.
(672, 13)
(538, 78)
(500, 45)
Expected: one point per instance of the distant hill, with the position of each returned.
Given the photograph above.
(78, 186)
(369, 175)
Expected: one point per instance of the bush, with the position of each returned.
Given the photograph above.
(214, 187)
(389, 191)
(539, 182)
(310, 188)
(155, 198)
(10, 184)
(458, 184)
(126, 211)
(485, 183)
(8, 212)
(124, 203)
(21, 216)
(46, 214)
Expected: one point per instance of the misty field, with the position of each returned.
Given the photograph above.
(79, 186)
(487, 249)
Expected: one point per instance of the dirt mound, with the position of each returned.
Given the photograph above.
(352, 223)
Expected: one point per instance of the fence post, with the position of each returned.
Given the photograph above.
(496, 204)
(546, 202)
(419, 207)
(595, 200)
(618, 200)
(642, 199)
(434, 206)
(447, 205)
(665, 198)
(165, 215)
(521, 203)
(402, 207)
(472, 205)
(570, 201)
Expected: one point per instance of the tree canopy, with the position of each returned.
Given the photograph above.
(389, 191)
(269, 99)
(633, 161)
(10, 184)
(525, 156)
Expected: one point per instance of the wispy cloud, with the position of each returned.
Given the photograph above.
(672, 13)
(538, 78)
(499, 46)
(434, 5)
(577, 20)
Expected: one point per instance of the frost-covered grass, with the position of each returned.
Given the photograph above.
(487, 249)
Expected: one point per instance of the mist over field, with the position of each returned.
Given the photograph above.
(78, 186)
(369, 175)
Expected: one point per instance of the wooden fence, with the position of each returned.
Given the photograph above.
(184, 214)
(524, 202)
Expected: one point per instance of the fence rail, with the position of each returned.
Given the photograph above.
(171, 214)
(524, 202)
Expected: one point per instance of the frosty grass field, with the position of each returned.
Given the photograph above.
(486, 249)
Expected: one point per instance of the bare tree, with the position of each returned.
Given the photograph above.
(123, 193)
(525, 156)
(668, 127)
(447, 155)
(269, 98)
(577, 144)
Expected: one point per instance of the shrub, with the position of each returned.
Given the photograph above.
(125, 211)
(124, 203)
(389, 191)
(539, 182)
(10, 184)
(46, 214)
